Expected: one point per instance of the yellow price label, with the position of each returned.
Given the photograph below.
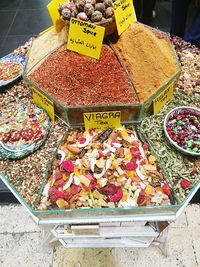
(85, 38)
(41, 100)
(124, 14)
(163, 98)
(54, 14)
(102, 120)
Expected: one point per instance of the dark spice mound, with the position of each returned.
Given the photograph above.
(77, 80)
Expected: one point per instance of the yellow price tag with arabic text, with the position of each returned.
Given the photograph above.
(54, 14)
(85, 38)
(44, 102)
(102, 120)
(163, 98)
(124, 14)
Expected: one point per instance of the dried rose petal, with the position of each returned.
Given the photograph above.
(91, 131)
(58, 175)
(67, 196)
(117, 196)
(82, 140)
(75, 189)
(145, 146)
(131, 166)
(54, 194)
(185, 183)
(109, 189)
(142, 199)
(166, 189)
(135, 152)
(68, 165)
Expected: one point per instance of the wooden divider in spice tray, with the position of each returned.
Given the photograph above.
(104, 169)
(83, 84)
(148, 58)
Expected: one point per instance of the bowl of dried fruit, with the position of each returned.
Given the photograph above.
(99, 13)
(182, 129)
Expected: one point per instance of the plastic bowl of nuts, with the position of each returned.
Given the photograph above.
(182, 129)
(99, 13)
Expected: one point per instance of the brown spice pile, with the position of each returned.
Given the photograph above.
(77, 80)
(148, 58)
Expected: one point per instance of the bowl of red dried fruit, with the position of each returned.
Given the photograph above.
(182, 129)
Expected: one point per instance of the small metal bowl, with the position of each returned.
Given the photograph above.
(175, 145)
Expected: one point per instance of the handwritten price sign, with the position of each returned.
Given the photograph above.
(163, 98)
(102, 120)
(124, 14)
(44, 102)
(85, 38)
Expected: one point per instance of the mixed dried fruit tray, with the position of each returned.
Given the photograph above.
(104, 169)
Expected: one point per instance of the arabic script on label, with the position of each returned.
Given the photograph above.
(85, 38)
(124, 14)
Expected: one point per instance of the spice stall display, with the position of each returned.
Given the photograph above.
(108, 168)
(109, 174)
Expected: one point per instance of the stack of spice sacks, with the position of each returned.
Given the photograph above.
(106, 168)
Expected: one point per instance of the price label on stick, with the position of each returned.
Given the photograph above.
(124, 14)
(44, 102)
(54, 14)
(163, 98)
(102, 120)
(85, 38)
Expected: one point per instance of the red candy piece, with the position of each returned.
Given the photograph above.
(185, 183)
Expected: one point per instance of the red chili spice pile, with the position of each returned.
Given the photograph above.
(77, 80)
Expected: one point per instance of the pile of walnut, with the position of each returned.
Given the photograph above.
(87, 10)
